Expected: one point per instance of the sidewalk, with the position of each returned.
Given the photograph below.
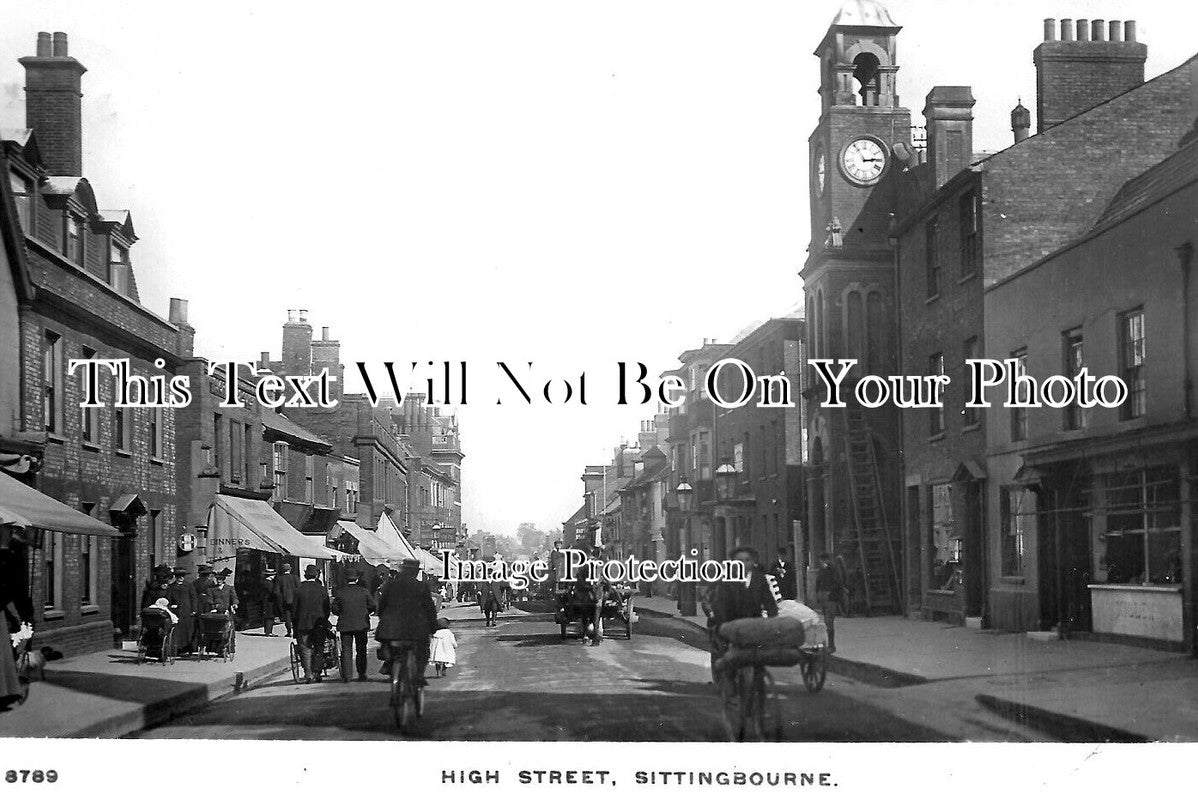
(1075, 689)
(108, 694)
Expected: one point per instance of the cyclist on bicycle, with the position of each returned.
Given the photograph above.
(737, 600)
(406, 613)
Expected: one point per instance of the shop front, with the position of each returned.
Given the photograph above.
(1117, 554)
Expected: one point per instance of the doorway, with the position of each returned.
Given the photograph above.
(124, 584)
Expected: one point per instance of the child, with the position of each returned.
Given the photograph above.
(444, 649)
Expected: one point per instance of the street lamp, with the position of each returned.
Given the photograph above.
(725, 480)
(686, 589)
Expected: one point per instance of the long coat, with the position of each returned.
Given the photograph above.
(310, 607)
(153, 591)
(734, 600)
(352, 604)
(286, 585)
(186, 605)
(406, 611)
(221, 598)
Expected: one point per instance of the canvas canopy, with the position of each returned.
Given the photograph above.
(374, 548)
(23, 506)
(236, 522)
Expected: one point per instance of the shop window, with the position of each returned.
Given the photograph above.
(1075, 415)
(1131, 362)
(280, 472)
(309, 472)
(1142, 539)
(52, 382)
(946, 547)
(1015, 508)
(936, 415)
(1022, 395)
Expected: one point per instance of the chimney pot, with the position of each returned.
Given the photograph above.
(1098, 30)
(1066, 30)
(178, 314)
(1115, 31)
(60, 44)
(303, 315)
(1129, 30)
(1050, 29)
(44, 49)
(264, 358)
(324, 334)
(1083, 30)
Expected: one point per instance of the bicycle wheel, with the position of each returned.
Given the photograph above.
(814, 668)
(765, 708)
(403, 703)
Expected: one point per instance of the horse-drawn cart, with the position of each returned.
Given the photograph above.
(577, 604)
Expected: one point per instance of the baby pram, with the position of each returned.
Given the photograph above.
(216, 637)
(157, 637)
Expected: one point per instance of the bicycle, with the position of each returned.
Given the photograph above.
(407, 695)
(758, 711)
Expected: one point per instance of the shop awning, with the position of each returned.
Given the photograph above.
(395, 539)
(430, 563)
(236, 522)
(374, 549)
(23, 506)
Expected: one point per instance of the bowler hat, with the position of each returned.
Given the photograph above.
(204, 569)
(409, 563)
(179, 571)
(311, 571)
(224, 573)
(353, 573)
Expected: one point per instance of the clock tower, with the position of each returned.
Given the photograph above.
(849, 293)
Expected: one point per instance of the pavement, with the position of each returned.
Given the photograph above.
(108, 694)
(1074, 690)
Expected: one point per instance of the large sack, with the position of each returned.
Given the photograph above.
(771, 656)
(793, 608)
(763, 631)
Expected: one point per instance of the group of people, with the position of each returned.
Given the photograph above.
(406, 612)
(170, 591)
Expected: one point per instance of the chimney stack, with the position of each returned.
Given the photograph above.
(949, 121)
(185, 341)
(297, 343)
(326, 354)
(53, 104)
(1093, 61)
(1021, 122)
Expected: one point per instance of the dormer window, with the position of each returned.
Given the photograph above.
(73, 240)
(22, 192)
(118, 267)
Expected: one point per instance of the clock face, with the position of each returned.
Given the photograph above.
(863, 161)
(821, 171)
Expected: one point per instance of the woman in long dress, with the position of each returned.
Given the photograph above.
(10, 685)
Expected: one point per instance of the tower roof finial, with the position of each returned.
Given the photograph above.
(865, 13)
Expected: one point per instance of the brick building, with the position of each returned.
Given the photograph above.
(976, 219)
(79, 299)
(765, 447)
(1092, 510)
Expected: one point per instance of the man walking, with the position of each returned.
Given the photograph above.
(286, 585)
(352, 604)
(270, 601)
(784, 573)
(406, 613)
(829, 588)
(310, 614)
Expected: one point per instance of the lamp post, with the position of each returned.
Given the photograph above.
(436, 535)
(686, 589)
(726, 477)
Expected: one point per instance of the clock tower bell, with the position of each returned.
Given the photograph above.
(849, 294)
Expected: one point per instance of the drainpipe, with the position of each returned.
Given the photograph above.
(1185, 255)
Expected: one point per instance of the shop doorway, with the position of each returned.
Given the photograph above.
(124, 585)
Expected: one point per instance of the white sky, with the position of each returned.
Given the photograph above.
(565, 183)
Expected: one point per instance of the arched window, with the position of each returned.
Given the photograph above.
(868, 78)
(855, 324)
(875, 348)
(822, 324)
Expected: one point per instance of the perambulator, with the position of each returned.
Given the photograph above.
(157, 637)
(216, 636)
